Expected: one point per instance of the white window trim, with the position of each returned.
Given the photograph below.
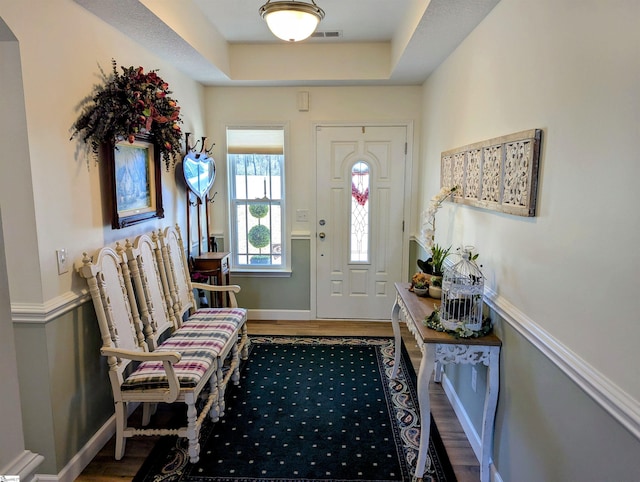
(271, 272)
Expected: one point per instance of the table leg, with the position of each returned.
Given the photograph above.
(220, 302)
(437, 376)
(427, 365)
(489, 414)
(397, 337)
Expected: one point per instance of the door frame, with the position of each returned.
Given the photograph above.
(408, 207)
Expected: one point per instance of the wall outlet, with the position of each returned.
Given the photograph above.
(474, 379)
(63, 260)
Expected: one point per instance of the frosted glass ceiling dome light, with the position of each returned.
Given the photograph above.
(291, 21)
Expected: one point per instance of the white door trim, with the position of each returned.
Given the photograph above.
(409, 203)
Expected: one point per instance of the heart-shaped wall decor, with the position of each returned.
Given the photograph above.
(199, 173)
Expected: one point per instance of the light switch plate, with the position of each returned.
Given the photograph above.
(63, 261)
(302, 216)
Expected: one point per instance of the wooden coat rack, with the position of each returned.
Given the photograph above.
(198, 160)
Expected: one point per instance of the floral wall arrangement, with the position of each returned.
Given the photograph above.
(130, 103)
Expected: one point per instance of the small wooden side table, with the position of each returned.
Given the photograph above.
(215, 265)
(443, 348)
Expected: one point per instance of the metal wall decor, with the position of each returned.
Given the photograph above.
(500, 174)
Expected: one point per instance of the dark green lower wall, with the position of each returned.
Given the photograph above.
(64, 385)
(548, 428)
(280, 293)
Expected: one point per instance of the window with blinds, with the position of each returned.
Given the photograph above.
(255, 160)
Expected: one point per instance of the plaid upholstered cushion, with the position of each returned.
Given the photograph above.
(218, 318)
(200, 341)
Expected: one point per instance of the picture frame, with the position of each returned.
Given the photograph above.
(134, 182)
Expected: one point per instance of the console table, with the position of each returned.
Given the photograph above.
(443, 348)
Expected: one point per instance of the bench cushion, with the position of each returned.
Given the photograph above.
(200, 340)
(222, 318)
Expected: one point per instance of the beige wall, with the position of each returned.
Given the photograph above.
(563, 284)
(16, 189)
(264, 105)
(571, 69)
(229, 106)
(51, 198)
(59, 65)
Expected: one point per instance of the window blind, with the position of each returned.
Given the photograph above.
(255, 141)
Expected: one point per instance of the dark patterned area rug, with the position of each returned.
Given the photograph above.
(312, 409)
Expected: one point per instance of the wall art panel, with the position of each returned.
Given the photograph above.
(500, 174)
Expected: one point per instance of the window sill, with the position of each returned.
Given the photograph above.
(247, 273)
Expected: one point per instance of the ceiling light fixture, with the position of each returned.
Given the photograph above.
(291, 21)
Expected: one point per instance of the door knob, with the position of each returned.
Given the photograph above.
(321, 235)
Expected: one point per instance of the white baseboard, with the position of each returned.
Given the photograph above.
(469, 430)
(46, 478)
(296, 315)
(24, 466)
(80, 460)
(463, 417)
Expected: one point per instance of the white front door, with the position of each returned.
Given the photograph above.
(359, 231)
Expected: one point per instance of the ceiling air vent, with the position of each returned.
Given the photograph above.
(327, 34)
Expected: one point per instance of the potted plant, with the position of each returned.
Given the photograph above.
(420, 284)
(438, 255)
(436, 265)
(259, 235)
(435, 287)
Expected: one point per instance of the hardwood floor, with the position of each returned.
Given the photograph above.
(104, 468)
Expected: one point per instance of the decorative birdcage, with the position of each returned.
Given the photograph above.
(462, 290)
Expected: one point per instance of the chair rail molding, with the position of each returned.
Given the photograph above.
(608, 395)
(49, 310)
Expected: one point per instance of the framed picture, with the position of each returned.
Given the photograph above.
(134, 178)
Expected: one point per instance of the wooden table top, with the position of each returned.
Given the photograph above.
(212, 255)
(420, 307)
(211, 263)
